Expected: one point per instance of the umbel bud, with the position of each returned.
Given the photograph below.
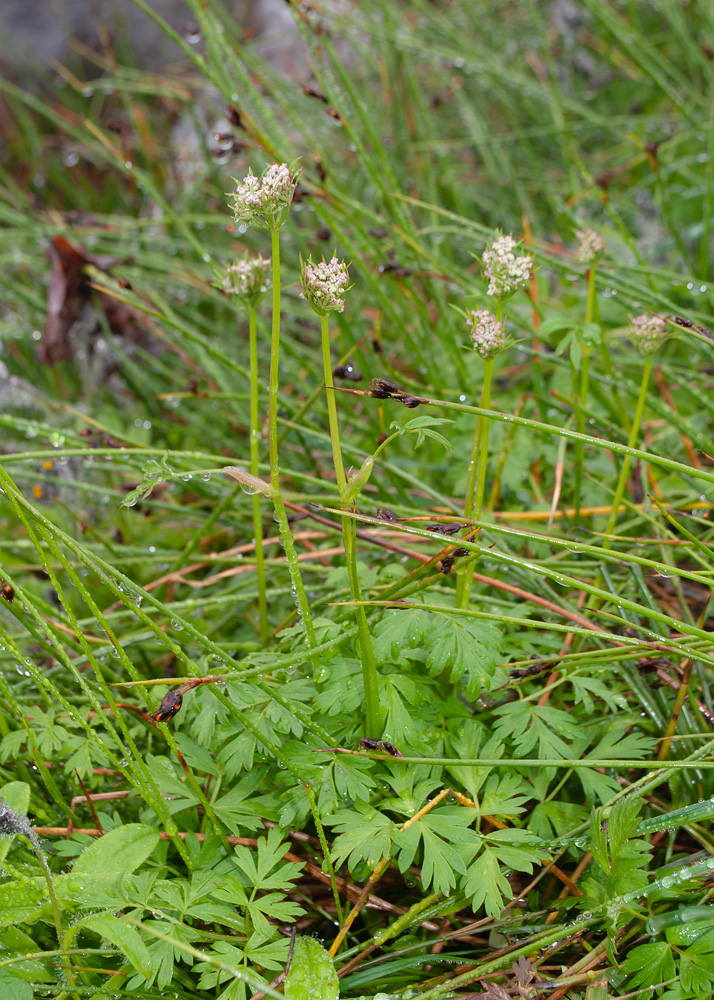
(648, 333)
(325, 284)
(486, 333)
(248, 279)
(591, 245)
(266, 202)
(505, 271)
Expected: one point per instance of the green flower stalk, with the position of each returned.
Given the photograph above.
(266, 202)
(591, 247)
(647, 333)
(488, 338)
(506, 272)
(324, 285)
(248, 280)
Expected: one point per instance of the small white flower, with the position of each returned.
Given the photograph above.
(648, 332)
(324, 285)
(486, 333)
(590, 245)
(266, 201)
(506, 273)
(248, 279)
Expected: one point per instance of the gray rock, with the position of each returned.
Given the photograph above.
(33, 31)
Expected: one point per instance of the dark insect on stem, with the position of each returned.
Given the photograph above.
(367, 743)
(7, 591)
(169, 707)
(449, 528)
(347, 371)
(521, 672)
(386, 514)
(687, 324)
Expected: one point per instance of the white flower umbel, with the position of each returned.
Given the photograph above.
(248, 279)
(324, 285)
(591, 245)
(505, 271)
(486, 333)
(266, 202)
(648, 333)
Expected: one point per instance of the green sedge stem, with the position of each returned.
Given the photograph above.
(372, 724)
(474, 498)
(327, 860)
(280, 513)
(254, 468)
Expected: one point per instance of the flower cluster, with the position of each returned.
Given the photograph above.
(266, 201)
(324, 285)
(506, 273)
(590, 245)
(648, 332)
(247, 279)
(486, 333)
(12, 822)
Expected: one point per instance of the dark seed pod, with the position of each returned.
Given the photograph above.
(380, 388)
(386, 514)
(458, 553)
(169, 707)
(7, 591)
(447, 564)
(391, 749)
(410, 401)
(367, 743)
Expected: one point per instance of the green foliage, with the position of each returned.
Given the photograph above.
(530, 721)
(311, 975)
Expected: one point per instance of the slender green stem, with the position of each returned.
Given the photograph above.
(372, 726)
(280, 513)
(474, 498)
(627, 459)
(581, 396)
(254, 459)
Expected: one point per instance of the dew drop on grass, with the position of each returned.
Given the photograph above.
(175, 624)
(205, 476)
